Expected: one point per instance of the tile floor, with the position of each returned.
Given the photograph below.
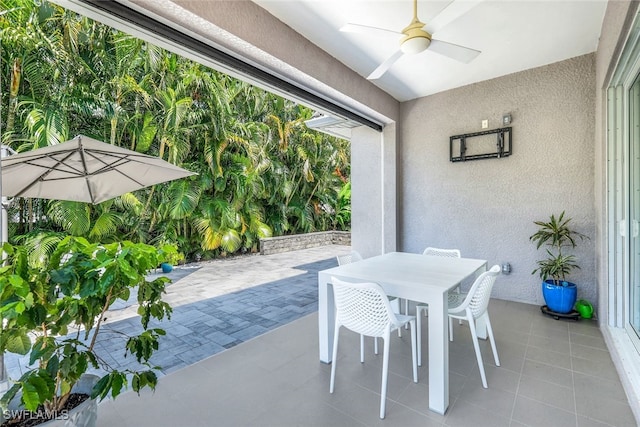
(552, 373)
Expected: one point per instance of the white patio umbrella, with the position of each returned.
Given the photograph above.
(82, 170)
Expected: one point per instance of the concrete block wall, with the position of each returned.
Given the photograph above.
(274, 245)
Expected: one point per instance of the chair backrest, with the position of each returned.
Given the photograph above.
(349, 258)
(451, 253)
(478, 297)
(362, 307)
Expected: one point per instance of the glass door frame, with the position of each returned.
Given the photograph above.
(632, 325)
(619, 226)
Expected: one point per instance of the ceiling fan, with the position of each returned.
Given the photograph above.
(417, 36)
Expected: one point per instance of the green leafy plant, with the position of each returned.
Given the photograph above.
(343, 209)
(169, 253)
(557, 235)
(54, 312)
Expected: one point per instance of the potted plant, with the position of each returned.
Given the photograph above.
(169, 257)
(54, 311)
(557, 235)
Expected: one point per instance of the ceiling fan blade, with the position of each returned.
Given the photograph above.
(453, 11)
(372, 31)
(382, 68)
(453, 51)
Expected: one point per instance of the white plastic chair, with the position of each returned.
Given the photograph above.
(349, 258)
(473, 306)
(365, 309)
(448, 253)
(451, 253)
(355, 256)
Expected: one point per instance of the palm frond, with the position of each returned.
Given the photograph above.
(104, 226)
(182, 198)
(230, 240)
(72, 217)
(40, 246)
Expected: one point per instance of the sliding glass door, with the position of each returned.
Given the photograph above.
(634, 207)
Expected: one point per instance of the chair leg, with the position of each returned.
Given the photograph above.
(493, 341)
(385, 375)
(361, 348)
(334, 359)
(419, 333)
(406, 312)
(474, 337)
(395, 307)
(458, 291)
(413, 348)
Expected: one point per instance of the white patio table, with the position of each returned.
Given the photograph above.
(416, 277)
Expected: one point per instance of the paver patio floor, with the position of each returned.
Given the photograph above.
(217, 305)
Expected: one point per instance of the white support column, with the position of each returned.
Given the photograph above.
(373, 190)
(389, 188)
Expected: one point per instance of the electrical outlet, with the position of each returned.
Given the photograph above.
(485, 124)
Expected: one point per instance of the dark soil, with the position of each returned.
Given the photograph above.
(26, 418)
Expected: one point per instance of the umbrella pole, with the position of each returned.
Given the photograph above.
(4, 233)
(4, 237)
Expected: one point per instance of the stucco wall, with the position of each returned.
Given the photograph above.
(486, 208)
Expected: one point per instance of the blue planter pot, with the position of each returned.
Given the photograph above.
(166, 267)
(559, 298)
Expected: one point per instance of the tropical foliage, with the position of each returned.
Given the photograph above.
(261, 172)
(68, 297)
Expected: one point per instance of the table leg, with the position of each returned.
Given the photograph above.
(326, 317)
(438, 355)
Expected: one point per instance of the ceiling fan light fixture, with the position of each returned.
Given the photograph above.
(415, 45)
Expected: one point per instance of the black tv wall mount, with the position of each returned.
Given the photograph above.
(462, 148)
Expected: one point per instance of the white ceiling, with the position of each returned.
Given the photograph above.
(513, 35)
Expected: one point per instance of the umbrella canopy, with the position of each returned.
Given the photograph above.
(83, 170)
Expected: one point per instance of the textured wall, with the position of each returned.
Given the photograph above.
(486, 208)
